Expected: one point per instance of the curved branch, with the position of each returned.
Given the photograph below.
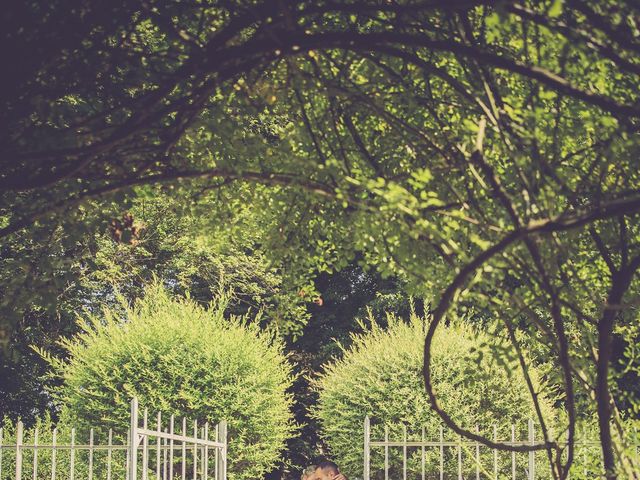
(370, 42)
(546, 226)
(266, 178)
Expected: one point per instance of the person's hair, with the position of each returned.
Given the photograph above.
(327, 464)
(307, 472)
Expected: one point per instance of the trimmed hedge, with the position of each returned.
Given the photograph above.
(380, 375)
(182, 359)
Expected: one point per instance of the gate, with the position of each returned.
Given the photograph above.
(154, 448)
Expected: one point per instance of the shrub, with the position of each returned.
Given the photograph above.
(380, 375)
(182, 359)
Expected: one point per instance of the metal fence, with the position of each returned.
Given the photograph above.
(441, 455)
(153, 448)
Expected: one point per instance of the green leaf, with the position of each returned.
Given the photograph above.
(556, 8)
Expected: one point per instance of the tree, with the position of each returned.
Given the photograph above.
(486, 153)
(380, 376)
(158, 239)
(181, 359)
(73, 272)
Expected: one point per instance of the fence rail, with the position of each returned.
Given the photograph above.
(164, 451)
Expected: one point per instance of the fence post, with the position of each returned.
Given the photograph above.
(513, 453)
(158, 446)
(133, 440)
(477, 454)
(90, 455)
(404, 452)
(367, 439)
(223, 460)
(72, 455)
(109, 454)
(184, 449)
(35, 453)
(441, 452)
(532, 454)
(195, 449)
(460, 458)
(205, 454)
(54, 437)
(386, 452)
(145, 445)
(19, 439)
(171, 431)
(422, 455)
(495, 452)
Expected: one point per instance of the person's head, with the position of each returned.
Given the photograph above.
(308, 473)
(326, 470)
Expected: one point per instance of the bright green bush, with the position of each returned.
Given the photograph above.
(381, 376)
(179, 358)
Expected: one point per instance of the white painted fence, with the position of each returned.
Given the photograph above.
(434, 456)
(162, 449)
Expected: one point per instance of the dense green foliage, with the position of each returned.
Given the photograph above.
(160, 241)
(182, 359)
(348, 297)
(155, 240)
(380, 377)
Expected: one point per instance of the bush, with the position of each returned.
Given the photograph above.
(179, 358)
(381, 376)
